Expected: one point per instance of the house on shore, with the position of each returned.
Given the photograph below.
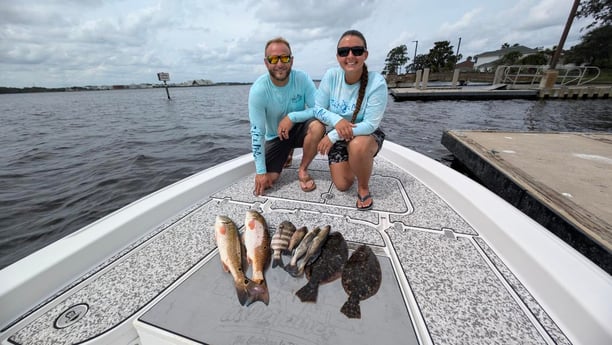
(488, 61)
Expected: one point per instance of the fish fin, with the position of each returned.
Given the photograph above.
(278, 262)
(308, 293)
(351, 309)
(241, 290)
(225, 267)
(257, 292)
(293, 270)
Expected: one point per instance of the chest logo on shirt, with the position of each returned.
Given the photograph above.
(297, 99)
(341, 106)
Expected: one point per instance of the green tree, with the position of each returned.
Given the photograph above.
(595, 48)
(539, 58)
(420, 62)
(510, 58)
(441, 57)
(600, 10)
(396, 59)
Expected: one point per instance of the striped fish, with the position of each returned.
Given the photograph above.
(280, 242)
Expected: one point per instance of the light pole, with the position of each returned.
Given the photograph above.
(415, 50)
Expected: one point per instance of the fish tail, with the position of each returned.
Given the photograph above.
(351, 309)
(308, 293)
(241, 290)
(257, 292)
(291, 269)
(277, 260)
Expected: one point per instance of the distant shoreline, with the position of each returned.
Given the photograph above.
(36, 89)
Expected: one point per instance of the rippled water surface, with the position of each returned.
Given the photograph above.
(68, 159)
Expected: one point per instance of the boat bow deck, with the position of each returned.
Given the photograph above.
(461, 274)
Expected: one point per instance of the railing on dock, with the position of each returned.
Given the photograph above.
(533, 74)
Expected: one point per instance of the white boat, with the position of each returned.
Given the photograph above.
(460, 266)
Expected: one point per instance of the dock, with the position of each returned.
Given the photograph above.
(561, 180)
(498, 92)
(459, 93)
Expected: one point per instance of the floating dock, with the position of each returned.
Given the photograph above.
(561, 180)
(498, 92)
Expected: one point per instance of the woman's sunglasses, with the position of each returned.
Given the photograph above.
(273, 59)
(357, 51)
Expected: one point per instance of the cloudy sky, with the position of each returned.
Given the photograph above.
(56, 43)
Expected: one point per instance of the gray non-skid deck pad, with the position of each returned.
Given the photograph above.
(204, 308)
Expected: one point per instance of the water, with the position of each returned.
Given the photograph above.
(68, 159)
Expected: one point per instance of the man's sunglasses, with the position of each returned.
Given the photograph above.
(273, 59)
(357, 51)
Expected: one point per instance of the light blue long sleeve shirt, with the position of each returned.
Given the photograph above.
(269, 104)
(336, 100)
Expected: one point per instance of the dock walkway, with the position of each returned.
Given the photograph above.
(497, 92)
(562, 180)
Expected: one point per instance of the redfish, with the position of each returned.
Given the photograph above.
(228, 242)
(256, 240)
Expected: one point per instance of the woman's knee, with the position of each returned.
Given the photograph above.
(343, 184)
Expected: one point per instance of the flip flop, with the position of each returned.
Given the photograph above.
(364, 199)
(289, 160)
(304, 182)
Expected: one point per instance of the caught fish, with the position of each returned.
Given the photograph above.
(280, 242)
(327, 268)
(300, 251)
(228, 242)
(257, 243)
(314, 249)
(296, 238)
(361, 278)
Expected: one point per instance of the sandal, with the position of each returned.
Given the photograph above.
(289, 160)
(364, 199)
(305, 184)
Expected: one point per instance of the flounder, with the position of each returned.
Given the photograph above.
(326, 268)
(361, 278)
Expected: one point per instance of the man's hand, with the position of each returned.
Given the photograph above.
(345, 129)
(324, 145)
(262, 182)
(284, 126)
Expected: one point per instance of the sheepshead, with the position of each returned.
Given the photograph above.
(327, 268)
(228, 242)
(301, 250)
(361, 278)
(314, 249)
(280, 242)
(257, 243)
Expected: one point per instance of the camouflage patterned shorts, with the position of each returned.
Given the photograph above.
(339, 153)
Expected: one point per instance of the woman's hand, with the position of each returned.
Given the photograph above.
(345, 129)
(325, 145)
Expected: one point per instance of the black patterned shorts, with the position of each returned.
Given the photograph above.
(339, 153)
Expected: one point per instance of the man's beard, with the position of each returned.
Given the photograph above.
(273, 75)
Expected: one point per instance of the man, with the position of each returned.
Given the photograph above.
(281, 105)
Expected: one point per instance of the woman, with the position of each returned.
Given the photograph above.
(353, 101)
